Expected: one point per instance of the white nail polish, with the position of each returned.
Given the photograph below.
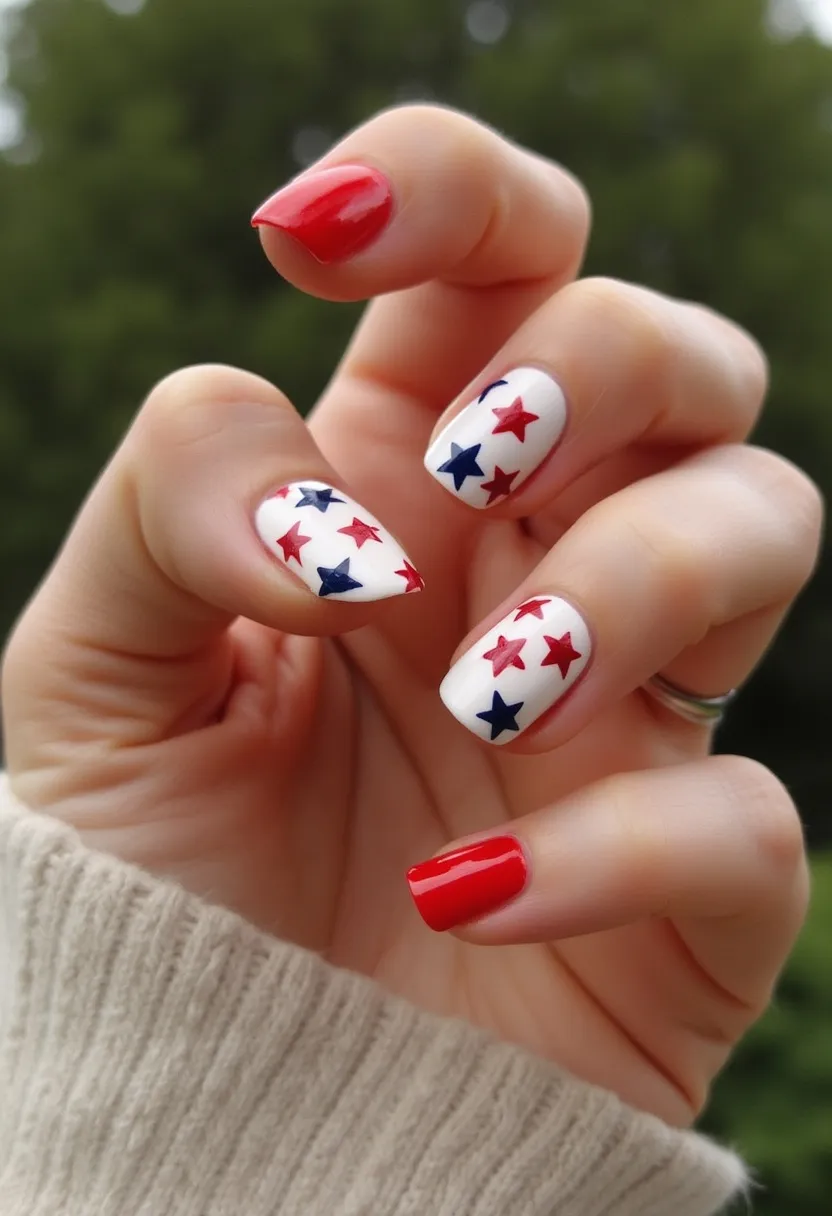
(489, 449)
(519, 669)
(338, 549)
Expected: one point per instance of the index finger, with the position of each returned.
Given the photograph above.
(467, 238)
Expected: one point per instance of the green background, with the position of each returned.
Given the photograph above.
(704, 133)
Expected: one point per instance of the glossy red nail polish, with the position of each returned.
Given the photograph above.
(468, 882)
(333, 213)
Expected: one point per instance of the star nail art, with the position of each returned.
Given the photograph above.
(496, 442)
(339, 550)
(519, 669)
(462, 464)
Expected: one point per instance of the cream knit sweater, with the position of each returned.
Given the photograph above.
(161, 1057)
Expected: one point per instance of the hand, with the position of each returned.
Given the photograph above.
(179, 695)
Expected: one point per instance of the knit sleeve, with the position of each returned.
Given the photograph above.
(159, 1056)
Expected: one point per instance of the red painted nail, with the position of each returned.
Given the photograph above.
(333, 213)
(468, 882)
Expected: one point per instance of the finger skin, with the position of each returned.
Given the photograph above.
(168, 538)
(645, 576)
(467, 207)
(479, 233)
(715, 845)
(599, 366)
(166, 553)
(667, 900)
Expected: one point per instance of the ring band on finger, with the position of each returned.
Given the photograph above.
(699, 710)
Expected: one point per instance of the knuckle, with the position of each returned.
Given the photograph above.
(581, 201)
(799, 506)
(751, 368)
(745, 367)
(670, 561)
(574, 205)
(808, 499)
(664, 340)
(771, 816)
(804, 513)
(636, 314)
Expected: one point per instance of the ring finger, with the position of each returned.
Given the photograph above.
(689, 570)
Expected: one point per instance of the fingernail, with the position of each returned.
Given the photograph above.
(497, 441)
(334, 213)
(467, 883)
(333, 544)
(519, 669)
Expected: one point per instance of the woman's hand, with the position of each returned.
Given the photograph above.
(176, 693)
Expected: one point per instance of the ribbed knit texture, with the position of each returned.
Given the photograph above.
(161, 1057)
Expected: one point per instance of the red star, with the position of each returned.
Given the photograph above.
(415, 582)
(291, 543)
(514, 418)
(500, 484)
(360, 532)
(506, 654)
(283, 492)
(561, 653)
(531, 608)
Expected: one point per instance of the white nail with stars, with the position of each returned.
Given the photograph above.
(494, 444)
(338, 549)
(519, 669)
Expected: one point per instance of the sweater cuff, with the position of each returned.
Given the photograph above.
(158, 1054)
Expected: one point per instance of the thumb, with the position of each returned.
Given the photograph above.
(218, 504)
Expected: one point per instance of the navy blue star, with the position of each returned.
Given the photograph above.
(462, 464)
(500, 716)
(487, 390)
(336, 579)
(320, 499)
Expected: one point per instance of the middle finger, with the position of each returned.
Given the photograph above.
(602, 365)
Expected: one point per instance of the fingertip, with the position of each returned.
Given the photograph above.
(468, 881)
(331, 213)
(334, 546)
(241, 514)
(479, 211)
(507, 684)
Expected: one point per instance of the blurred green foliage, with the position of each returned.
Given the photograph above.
(774, 1102)
(125, 251)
